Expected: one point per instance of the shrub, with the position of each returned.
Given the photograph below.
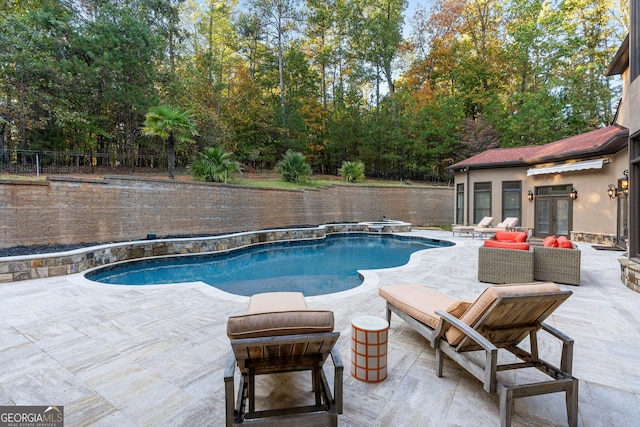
(352, 171)
(293, 166)
(214, 165)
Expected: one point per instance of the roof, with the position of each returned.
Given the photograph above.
(620, 62)
(607, 140)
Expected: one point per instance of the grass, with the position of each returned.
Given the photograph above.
(263, 180)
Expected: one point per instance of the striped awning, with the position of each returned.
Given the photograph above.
(569, 167)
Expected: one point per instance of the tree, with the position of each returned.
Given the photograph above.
(172, 125)
(214, 165)
(279, 16)
(293, 166)
(352, 171)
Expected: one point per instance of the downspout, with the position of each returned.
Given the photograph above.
(468, 194)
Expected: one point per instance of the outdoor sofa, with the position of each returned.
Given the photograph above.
(506, 258)
(557, 260)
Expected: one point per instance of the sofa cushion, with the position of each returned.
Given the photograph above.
(524, 246)
(417, 301)
(481, 305)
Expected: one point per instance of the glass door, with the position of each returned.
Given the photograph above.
(553, 211)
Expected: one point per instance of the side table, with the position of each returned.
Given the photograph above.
(369, 336)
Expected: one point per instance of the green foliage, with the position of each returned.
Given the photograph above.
(214, 165)
(333, 79)
(352, 171)
(293, 167)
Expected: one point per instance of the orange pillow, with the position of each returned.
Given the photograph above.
(550, 242)
(564, 242)
(521, 237)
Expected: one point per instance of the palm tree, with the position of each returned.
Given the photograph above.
(214, 165)
(293, 166)
(172, 125)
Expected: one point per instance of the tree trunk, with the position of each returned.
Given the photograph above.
(171, 156)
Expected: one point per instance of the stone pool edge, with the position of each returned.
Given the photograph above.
(38, 266)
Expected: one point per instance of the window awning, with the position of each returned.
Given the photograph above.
(568, 167)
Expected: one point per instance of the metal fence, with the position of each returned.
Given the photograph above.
(32, 162)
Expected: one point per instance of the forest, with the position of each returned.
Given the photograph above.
(335, 80)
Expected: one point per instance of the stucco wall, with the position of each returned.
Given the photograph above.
(75, 210)
(593, 211)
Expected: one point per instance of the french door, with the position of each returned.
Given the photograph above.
(553, 211)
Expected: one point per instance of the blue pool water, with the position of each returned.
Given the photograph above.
(311, 267)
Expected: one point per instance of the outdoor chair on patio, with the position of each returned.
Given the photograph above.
(475, 334)
(468, 229)
(280, 334)
(508, 224)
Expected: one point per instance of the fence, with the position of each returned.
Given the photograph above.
(32, 162)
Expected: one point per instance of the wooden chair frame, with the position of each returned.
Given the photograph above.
(496, 330)
(270, 355)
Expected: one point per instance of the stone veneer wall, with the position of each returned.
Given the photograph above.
(14, 269)
(593, 238)
(630, 273)
(119, 209)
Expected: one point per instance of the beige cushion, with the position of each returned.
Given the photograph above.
(417, 301)
(484, 301)
(276, 301)
(279, 323)
(278, 313)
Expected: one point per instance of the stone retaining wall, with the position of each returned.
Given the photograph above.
(630, 273)
(65, 210)
(14, 269)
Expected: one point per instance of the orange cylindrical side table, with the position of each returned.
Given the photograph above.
(369, 348)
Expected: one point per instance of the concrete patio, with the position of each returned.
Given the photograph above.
(154, 355)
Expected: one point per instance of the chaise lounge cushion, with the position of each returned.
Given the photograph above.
(418, 301)
(484, 301)
(278, 313)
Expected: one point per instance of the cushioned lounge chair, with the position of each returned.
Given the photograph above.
(497, 321)
(468, 229)
(280, 334)
(508, 224)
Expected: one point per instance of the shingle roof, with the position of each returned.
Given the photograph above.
(607, 140)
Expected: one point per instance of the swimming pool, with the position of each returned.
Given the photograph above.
(314, 267)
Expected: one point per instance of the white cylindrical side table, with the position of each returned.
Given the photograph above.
(369, 348)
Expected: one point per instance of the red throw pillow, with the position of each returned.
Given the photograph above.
(550, 242)
(564, 242)
(505, 236)
(521, 237)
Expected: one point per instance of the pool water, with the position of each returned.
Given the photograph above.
(312, 267)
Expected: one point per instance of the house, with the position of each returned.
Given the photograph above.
(560, 188)
(586, 187)
(626, 63)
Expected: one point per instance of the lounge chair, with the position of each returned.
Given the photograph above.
(497, 321)
(280, 334)
(468, 229)
(508, 224)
